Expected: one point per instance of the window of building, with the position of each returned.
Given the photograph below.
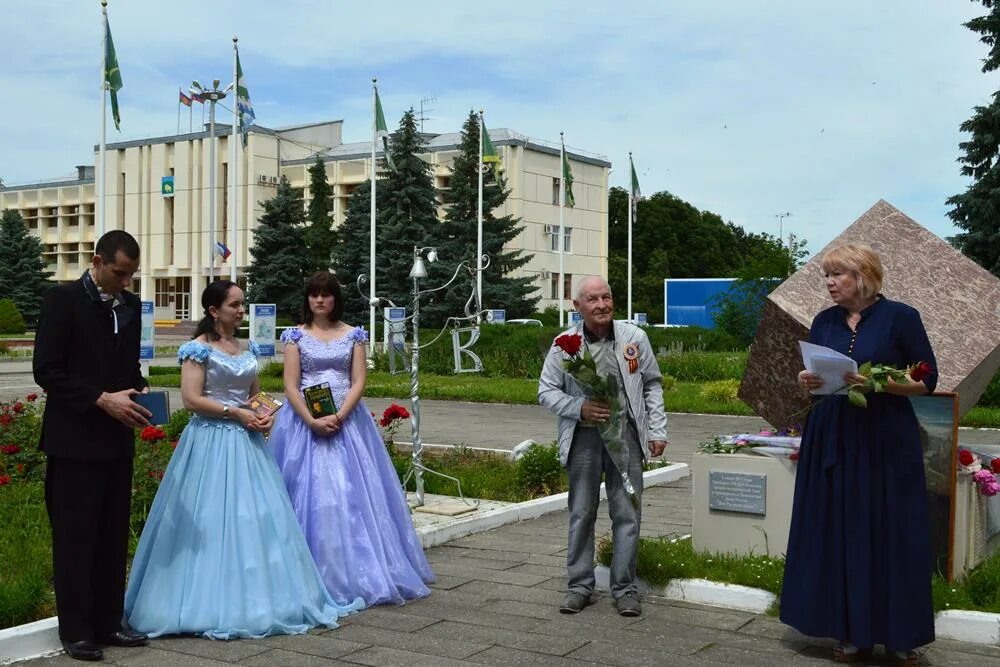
(164, 293)
(555, 192)
(567, 240)
(554, 285)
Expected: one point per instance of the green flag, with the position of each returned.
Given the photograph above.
(382, 131)
(112, 75)
(568, 179)
(245, 114)
(636, 193)
(491, 157)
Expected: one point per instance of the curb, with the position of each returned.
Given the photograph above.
(700, 591)
(431, 536)
(41, 638)
(33, 640)
(974, 627)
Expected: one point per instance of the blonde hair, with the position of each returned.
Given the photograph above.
(861, 260)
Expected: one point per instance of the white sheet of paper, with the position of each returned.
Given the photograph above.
(829, 365)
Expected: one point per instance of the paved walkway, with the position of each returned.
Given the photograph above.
(495, 603)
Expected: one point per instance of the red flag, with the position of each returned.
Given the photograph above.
(184, 99)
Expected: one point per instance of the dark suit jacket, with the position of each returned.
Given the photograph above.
(77, 357)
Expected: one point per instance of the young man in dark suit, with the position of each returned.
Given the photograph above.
(86, 358)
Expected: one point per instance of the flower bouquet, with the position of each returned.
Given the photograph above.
(878, 377)
(604, 388)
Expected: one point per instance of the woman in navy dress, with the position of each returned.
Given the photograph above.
(858, 565)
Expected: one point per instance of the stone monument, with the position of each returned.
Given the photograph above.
(958, 300)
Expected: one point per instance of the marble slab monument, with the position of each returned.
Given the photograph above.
(958, 300)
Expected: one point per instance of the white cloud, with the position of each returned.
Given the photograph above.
(747, 109)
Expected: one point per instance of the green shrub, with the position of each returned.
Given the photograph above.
(688, 366)
(720, 390)
(178, 420)
(669, 382)
(991, 397)
(11, 321)
(539, 470)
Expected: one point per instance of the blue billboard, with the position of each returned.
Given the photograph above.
(692, 301)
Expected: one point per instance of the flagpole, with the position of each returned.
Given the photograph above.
(191, 116)
(102, 150)
(371, 221)
(562, 230)
(178, 112)
(479, 224)
(233, 168)
(631, 203)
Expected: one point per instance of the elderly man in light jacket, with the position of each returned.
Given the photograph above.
(623, 349)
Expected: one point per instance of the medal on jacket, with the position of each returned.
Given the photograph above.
(631, 354)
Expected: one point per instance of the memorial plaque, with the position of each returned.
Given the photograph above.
(737, 492)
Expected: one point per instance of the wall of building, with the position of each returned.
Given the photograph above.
(174, 232)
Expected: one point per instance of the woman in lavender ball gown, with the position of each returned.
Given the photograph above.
(342, 483)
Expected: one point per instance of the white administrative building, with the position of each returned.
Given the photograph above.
(173, 231)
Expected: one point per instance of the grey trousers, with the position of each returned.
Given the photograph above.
(587, 461)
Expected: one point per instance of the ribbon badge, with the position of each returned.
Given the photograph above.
(631, 354)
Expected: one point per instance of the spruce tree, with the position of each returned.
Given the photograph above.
(350, 255)
(977, 210)
(320, 236)
(23, 276)
(407, 213)
(280, 258)
(458, 233)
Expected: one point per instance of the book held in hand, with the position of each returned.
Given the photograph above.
(263, 404)
(157, 402)
(319, 400)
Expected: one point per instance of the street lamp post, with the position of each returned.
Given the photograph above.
(212, 95)
(781, 217)
(472, 315)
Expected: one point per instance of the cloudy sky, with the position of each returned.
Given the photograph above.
(746, 108)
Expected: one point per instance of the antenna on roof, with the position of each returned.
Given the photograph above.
(422, 117)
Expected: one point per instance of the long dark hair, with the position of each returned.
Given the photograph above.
(214, 295)
(323, 282)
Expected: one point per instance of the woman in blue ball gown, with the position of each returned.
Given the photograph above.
(342, 483)
(221, 554)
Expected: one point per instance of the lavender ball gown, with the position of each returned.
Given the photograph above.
(345, 490)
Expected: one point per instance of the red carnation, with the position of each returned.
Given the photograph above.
(151, 434)
(995, 466)
(19, 407)
(965, 457)
(392, 413)
(920, 371)
(6, 419)
(794, 456)
(20, 468)
(570, 344)
(4, 480)
(32, 398)
(10, 449)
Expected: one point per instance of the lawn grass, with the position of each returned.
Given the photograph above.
(25, 555)
(661, 560)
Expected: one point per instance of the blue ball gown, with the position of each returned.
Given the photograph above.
(222, 554)
(345, 490)
(858, 564)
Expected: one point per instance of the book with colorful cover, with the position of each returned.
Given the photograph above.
(319, 400)
(263, 404)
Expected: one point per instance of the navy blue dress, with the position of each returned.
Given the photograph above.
(858, 565)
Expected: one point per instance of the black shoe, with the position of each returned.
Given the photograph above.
(575, 602)
(124, 638)
(83, 650)
(628, 605)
